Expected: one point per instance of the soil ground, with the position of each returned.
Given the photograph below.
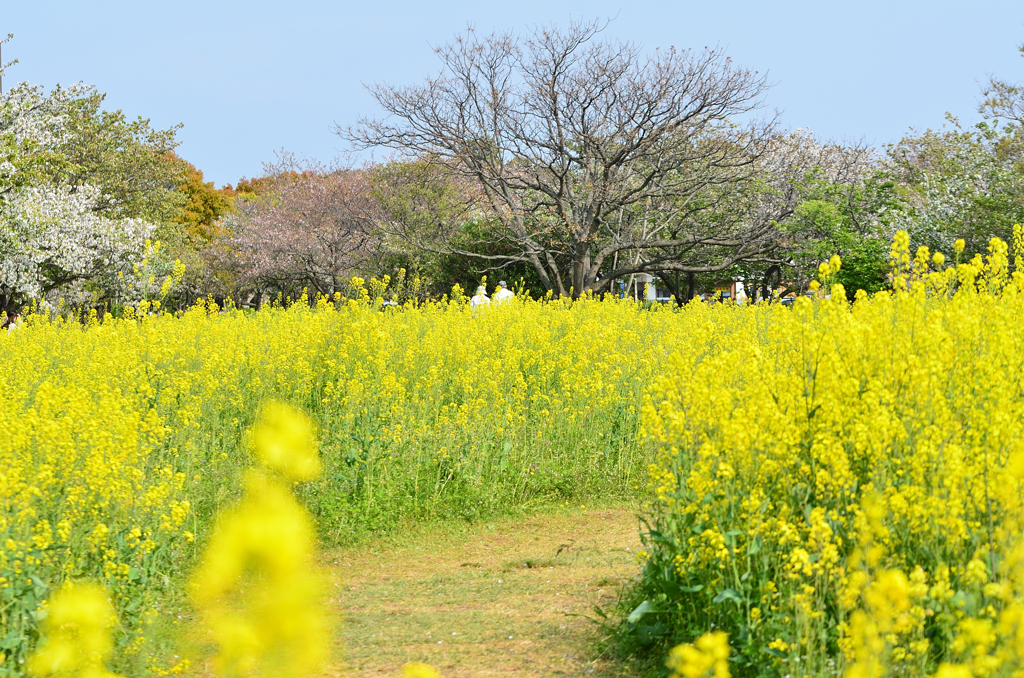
(509, 598)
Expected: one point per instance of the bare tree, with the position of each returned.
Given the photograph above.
(308, 226)
(1004, 99)
(571, 140)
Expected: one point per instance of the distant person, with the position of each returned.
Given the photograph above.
(480, 298)
(503, 293)
(11, 321)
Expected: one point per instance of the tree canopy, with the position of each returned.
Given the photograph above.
(83, 189)
(567, 138)
(54, 231)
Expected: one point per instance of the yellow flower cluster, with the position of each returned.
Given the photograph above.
(708, 656)
(419, 670)
(125, 437)
(256, 587)
(84, 489)
(284, 441)
(771, 427)
(835, 485)
(77, 634)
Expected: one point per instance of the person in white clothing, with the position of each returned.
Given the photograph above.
(503, 293)
(480, 298)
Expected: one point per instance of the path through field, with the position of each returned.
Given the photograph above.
(504, 599)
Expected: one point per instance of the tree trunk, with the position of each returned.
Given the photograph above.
(672, 282)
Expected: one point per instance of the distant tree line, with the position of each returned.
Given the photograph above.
(560, 161)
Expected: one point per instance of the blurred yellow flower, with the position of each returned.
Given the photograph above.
(76, 634)
(419, 670)
(284, 441)
(707, 656)
(257, 586)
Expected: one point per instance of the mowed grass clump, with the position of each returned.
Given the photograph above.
(123, 438)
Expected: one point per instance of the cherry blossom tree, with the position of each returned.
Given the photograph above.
(960, 182)
(51, 237)
(307, 226)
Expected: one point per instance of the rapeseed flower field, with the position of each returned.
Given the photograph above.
(838, 486)
(124, 438)
(834, 488)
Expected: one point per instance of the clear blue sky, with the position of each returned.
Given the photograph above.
(249, 78)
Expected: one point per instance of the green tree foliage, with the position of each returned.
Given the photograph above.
(443, 271)
(428, 225)
(864, 256)
(848, 218)
(822, 199)
(1004, 99)
(131, 163)
(69, 166)
(137, 171)
(140, 175)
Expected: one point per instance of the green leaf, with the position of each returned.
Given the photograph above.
(641, 609)
(728, 594)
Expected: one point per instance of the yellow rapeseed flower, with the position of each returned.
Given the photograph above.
(707, 656)
(76, 634)
(419, 670)
(284, 441)
(257, 587)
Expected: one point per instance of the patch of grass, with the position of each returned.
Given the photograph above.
(508, 598)
(530, 564)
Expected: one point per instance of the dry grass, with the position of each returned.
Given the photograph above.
(513, 598)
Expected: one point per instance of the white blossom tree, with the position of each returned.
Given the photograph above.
(960, 182)
(51, 234)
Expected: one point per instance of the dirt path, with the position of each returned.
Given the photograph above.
(504, 599)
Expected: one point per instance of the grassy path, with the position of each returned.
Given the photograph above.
(504, 599)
